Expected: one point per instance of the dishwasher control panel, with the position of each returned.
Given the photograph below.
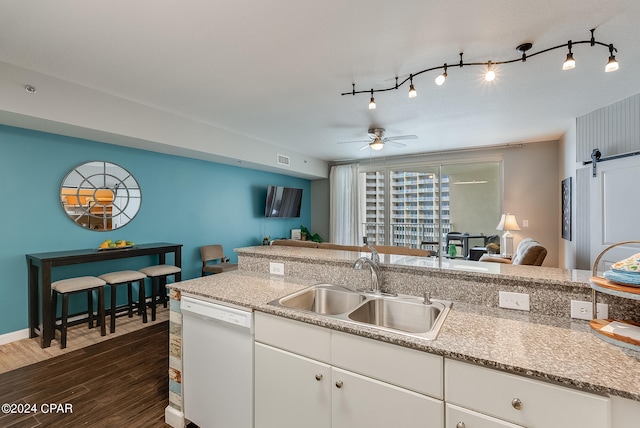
(216, 312)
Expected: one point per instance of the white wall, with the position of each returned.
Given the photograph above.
(567, 156)
(532, 192)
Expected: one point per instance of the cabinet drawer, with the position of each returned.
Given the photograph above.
(542, 405)
(294, 336)
(408, 368)
(457, 417)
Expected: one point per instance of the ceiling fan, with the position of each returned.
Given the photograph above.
(377, 140)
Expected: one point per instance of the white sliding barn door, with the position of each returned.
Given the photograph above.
(615, 209)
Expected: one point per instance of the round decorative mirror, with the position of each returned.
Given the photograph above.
(100, 196)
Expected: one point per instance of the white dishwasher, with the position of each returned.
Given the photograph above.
(217, 370)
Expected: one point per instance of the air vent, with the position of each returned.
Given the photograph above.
(284, 160)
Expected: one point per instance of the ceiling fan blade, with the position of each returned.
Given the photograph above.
(396, 144)
(401, 137)
(363, 147)
(350, 142)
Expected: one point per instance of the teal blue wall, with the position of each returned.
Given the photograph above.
(184, 201)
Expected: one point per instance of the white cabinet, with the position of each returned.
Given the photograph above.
(523, 401)
(459, 417)
(360, 383)
(290, 389)
(360, 401)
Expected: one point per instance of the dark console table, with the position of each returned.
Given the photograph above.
(40, 265)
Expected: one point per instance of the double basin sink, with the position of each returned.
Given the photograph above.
(403, 314)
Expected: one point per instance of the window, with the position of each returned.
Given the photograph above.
(416, 207)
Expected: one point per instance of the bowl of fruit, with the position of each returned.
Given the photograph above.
(108, 244)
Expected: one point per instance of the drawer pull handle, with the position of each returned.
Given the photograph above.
(516, 403)
(460, 425)
(339, 384)
(318, 377)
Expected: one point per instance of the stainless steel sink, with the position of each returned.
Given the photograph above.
(412, 317)
(407, 315)
(323, 299)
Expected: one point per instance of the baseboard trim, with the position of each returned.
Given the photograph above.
(173, 417)
(13, 336)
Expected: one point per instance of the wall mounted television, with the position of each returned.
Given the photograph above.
(284, 202)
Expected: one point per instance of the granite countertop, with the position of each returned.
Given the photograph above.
(540, 274)
(541, 347)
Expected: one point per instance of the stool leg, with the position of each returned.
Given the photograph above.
(154, 286)
(65, 315)
(112, 327)
(90, 307)
(103, 329)
(54, 309)
(130, 297)
(162, 291)
(142, 304)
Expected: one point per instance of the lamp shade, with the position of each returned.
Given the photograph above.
(508, 222)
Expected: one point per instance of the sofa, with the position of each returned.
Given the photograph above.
(529, 252)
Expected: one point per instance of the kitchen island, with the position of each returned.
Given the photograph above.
(551, 348)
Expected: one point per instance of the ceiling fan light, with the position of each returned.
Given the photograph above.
(412, 91)
(569, 63)
(377, 145)
(612, 65)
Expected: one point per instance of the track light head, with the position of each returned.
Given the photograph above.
(412, 90)
(490, 75)
(372, 102)
(442, 77)
(569, 63)
(612, 65)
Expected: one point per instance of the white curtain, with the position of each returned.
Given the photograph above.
(345, 223)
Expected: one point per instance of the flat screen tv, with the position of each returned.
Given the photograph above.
(283, 202)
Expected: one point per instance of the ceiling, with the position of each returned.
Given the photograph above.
(273, 71)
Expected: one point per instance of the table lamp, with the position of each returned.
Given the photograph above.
(507, 223)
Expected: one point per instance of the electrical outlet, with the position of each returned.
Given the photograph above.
(525, 223)
(519, 301)
(584, 310)
(276, 268)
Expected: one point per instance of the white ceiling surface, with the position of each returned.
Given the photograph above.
(271, 73)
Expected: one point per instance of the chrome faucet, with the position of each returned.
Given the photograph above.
(373, 264)
(374, 253)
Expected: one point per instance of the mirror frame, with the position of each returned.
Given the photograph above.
(100, 196)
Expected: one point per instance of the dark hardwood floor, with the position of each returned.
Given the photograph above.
(121, 382)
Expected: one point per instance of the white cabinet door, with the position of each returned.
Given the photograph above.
(359, 401)
(290, 391)
(458, 417)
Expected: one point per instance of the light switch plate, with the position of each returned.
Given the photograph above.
(276, 268)
(519, 301)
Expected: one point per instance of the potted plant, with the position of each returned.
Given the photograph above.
(306, 234)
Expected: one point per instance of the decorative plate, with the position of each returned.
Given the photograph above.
(623, 277)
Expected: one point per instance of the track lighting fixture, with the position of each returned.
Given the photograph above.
(612, 65)
(569, 63)
(442, 77)
(412, 90)
(490, 75)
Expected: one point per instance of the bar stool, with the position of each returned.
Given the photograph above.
(158, 275)
(128, 277)
(83, 284)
